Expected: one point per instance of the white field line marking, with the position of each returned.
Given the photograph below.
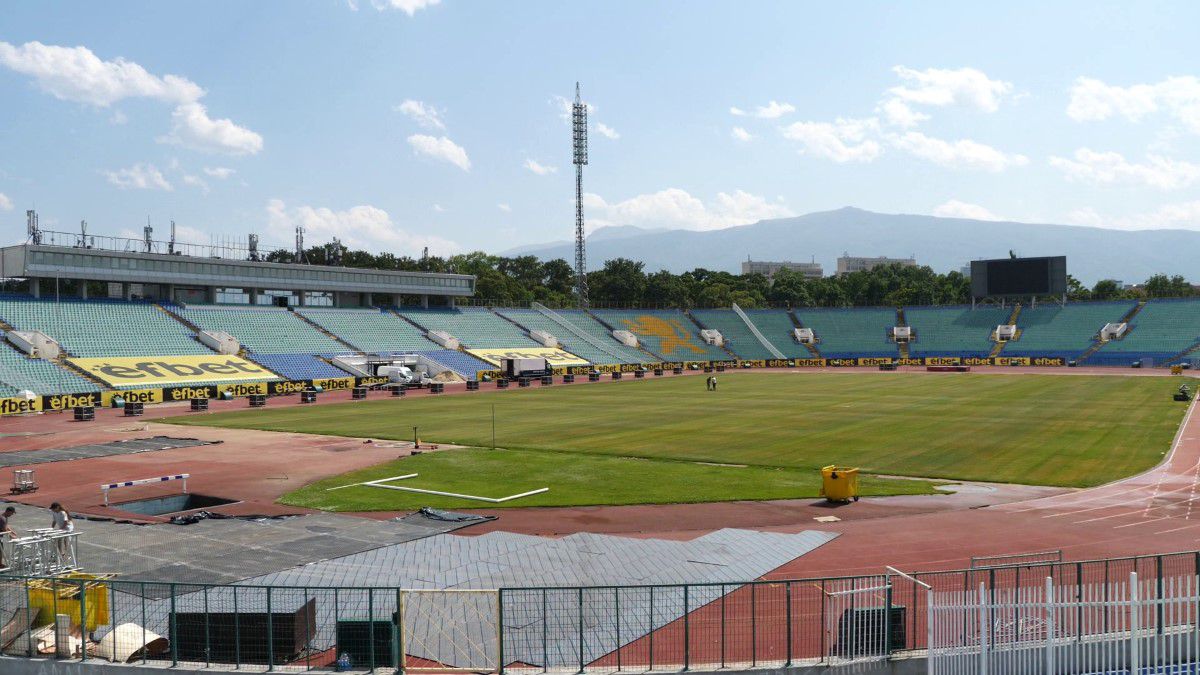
(381, 480)
(1098, 491)
(1152, 508)
(380, 483)
(1185, 527)
(1141, 522)
(1171, 458)
(490, 500)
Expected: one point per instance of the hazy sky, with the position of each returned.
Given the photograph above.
(405, 123)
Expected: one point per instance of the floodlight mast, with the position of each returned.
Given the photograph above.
(579, 138)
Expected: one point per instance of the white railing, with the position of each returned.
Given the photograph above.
(576, 331)
(757, 333)
(1118, 627)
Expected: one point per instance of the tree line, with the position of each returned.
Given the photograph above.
(621, 282)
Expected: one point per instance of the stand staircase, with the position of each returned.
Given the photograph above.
(1012, 321)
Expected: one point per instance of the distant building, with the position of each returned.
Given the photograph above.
(811, 270)
(849, 263)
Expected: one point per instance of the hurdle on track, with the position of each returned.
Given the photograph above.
(144, 481)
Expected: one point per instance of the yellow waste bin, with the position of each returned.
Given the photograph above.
(839, 483)
(61, 595)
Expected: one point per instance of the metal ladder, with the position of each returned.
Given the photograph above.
(757, 333)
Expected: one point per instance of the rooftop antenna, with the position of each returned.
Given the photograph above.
(148, 236)
(31, 227)
(425, 254)
(299, 243)
(171, 244)
(579, 139)
(83, 243)
(252, 240)
(335, 254)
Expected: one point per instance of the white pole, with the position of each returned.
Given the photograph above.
(1050, 626)
(983, 630)
(1135, 621)
(929, 631)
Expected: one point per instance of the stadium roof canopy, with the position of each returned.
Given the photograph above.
(169, 272)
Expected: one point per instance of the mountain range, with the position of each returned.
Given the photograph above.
(945, 244)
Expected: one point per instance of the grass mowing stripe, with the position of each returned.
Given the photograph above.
(574, 480)
(1036, 429)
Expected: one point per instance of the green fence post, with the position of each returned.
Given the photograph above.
(370, 625)
(207, 631)
(617, 613)
(788, 620)
(308, 636)
(650, 625)
(723, 625)
(174, 641)
(753, 624)
(54, 617)
(28, 620)
(1158, 584)
(581, 656)
(83, 631)
(271, 634)
(237, 632)
(500, 630)
(144, 650)
(687, 633)
(545, 632)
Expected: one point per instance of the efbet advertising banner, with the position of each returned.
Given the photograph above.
(555, 357)
(163, 371)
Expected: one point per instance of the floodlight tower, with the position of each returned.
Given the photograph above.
(579, 136)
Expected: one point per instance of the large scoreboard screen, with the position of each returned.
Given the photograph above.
(1019, 277)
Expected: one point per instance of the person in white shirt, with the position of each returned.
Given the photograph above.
(61, 520)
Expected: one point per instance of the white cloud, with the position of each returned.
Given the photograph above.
(362, 227)
(676, 208)
(425, 115)
(409, 7)
(220, 172)
(438, 208)
(441, 148)
(5, 203)
(539, 168)
(943, 87)
(139, 177)
(771, 111)
(118, 118)
(1093, 100)
(77, 74)
(960, 154)
(1181, 216)
(504, 207)
(1102, 168)
(607, 131)
(844, 140)
(741, 134)
(196, 182)
(900, 114)
(193, 128)
(957, 209)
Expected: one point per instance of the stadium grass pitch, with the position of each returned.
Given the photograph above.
(1072, 431)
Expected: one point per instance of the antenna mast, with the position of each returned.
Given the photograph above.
(299, 243)
(579, 138)
(148, 236)
(31, 227)
(171, 244)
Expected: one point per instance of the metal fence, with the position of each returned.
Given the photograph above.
(1122, 626)
(755, 624)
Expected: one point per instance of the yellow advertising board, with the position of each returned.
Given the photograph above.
(161, 371)
(555, 357)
